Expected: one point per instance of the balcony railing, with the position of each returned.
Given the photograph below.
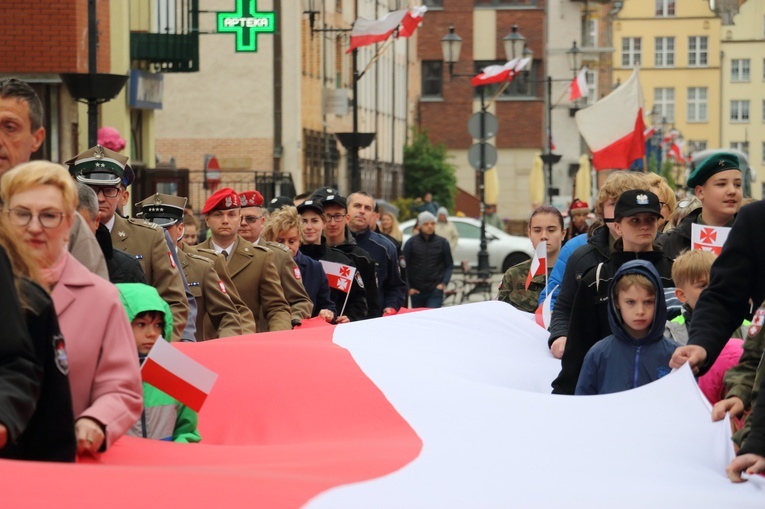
(167, 35)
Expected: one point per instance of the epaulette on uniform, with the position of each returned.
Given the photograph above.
(142, 222)
(205, 250)
(278, 246)
(198, 257)
(259, 247)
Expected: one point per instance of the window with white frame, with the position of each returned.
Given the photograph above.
(739, 69)
(665, 8)
(664, 103)
(739, 111)
(741, 146)
(630, 51)
(698, 51)
(592, 33)
(664, 55)
(697, 104)
(697, 145)
(592, 85)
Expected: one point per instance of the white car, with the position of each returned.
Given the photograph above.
(505, 250)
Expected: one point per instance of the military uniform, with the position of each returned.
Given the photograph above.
(291, 280)
(146, 241)
(513, 287)
(256, 279)
(246, 319)
(213, 301)
(743, 379)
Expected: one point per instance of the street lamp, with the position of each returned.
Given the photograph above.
(353, 141)
(451, 44)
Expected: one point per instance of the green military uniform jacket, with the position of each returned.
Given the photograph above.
(292, 283)
(221, 268)
(213, 302)
(743, 379)
(146, 241)
(513, 287)
(256, 279)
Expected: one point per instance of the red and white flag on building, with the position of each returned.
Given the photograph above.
(172, 371)
(613, 127)
(648, 132)
(371, 31)
(538, 264)
(708, 238)
(579, 87)
(499, 73)
(676, 150)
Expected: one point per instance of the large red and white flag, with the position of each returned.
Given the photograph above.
(366, 32)
(425, 409)
(579, 87)
(339, 276)
(613, 127)
(171, 371)
(708, 238)
(538, 264)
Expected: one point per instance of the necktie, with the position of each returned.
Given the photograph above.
(225, 254)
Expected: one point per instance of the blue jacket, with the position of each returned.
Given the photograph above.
(556, 276)
(315, 283)
(620, 362)
(392, 288)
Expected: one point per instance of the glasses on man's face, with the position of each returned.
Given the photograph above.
(109, 191)
(335, 217)
(251, 219)
(22, 217)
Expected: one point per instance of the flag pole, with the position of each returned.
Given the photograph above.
(348, 294)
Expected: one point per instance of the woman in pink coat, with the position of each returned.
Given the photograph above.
(40, 199)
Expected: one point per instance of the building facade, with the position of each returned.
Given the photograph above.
(743, 94)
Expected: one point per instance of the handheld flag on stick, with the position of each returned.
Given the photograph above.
(175, 373)
(538, 264)
(543, 314)
(340, 277)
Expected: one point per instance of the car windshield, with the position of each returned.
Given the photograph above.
(467, 230)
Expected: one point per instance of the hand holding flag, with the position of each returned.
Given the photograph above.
(538, 264)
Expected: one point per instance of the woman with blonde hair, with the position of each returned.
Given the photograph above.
(40, 201)
(284, 227)
(389, 226)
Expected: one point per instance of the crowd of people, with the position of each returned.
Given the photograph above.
(85, 287)
(610, 284)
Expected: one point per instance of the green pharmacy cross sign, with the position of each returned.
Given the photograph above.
(246, 23)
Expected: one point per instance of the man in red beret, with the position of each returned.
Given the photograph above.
(251, 267)
(577, 213)
(253, 220)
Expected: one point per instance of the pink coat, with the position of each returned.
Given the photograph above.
(103, 361)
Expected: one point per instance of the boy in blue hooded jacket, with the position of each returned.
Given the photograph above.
(636, 352)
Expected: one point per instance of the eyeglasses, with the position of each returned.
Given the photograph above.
(251, 219)
(21, 217)
(335, 217)
(109, 192)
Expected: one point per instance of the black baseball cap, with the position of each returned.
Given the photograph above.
(279, 202)
(637, 201)
(314, 205)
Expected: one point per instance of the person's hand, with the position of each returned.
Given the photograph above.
(89, 435)
(692, 354)
(440, 287)
(327, 315)
(3, 436)
(389, 311)
(752, 463)
(342, 319)
(413, 291)
(732, 405)
(558, 346)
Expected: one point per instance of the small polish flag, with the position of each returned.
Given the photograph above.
(544, 312)
(538, 264)
(494, 73)
(366, 32)
(648, 132)
(339, 276)
(171, 371)
(676, 151)
(579, 87)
